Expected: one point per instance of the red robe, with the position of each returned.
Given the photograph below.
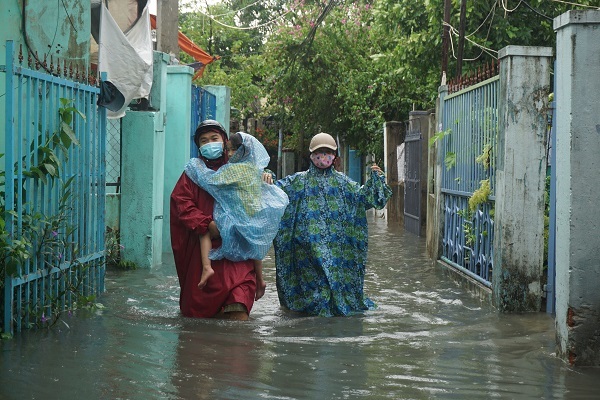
(232, 282)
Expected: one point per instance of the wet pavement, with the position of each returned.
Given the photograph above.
(429, 338)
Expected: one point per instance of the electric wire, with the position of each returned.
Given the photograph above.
(576, 4)
(238, 10)
(487, 50)
(506, 10)
(536, 11)
(505, 4)
(26, 37)
(492, 13)
(243, 28)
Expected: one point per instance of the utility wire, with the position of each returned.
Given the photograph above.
(506, 10)
(576, 4)
(26, 38)
(238, 10)
(536, 11)
(483, 48)
(492, 13)
(242, 28)
(505, 4)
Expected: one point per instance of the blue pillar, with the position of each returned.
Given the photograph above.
(177, 136)
(142, 182)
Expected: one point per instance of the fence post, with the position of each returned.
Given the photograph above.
(7, 318)
(520, 178)
(577, 182)
(434, 183)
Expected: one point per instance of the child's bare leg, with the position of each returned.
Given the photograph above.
(260, 282)
(207, 271)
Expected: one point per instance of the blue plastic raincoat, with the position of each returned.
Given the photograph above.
(247, 210)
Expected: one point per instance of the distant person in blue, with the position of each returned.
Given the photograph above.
(247, 210)
(321, 245)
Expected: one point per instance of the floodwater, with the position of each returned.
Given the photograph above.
(430, 338)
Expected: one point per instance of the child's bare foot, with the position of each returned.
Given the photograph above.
(207, 272)
(261, 285)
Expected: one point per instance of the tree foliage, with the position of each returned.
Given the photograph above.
(345, 66)
(240, 65)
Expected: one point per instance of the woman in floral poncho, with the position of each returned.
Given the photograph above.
(321, 245)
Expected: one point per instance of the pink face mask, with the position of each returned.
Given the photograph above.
(322, 160)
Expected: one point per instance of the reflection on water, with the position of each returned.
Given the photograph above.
(428, 338)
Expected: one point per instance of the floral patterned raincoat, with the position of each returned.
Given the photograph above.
(321, 246)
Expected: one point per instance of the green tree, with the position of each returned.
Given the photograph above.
(411, 42)
(322, 77)
(344, 66)
(240, 63)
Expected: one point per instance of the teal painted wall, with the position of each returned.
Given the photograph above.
(61, 31)
(177, 135)
(142, 180)
(158, 99)
(142, 175)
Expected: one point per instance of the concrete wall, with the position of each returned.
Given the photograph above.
(177, 136)
(520, 178)
(577, 182)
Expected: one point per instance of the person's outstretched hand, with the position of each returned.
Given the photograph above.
(267, 178)
(376, 168)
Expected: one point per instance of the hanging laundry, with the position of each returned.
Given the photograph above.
(126, 58)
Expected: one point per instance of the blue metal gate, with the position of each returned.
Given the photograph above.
(468, 151)
(59, 220)
(204, 106)
(412, 181)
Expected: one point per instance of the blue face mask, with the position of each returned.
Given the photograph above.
(212, 150)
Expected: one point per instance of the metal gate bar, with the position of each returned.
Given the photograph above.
(470, 119)
(412, 182)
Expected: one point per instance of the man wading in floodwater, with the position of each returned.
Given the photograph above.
(229, 293)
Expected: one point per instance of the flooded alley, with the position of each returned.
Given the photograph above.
(429, 338)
